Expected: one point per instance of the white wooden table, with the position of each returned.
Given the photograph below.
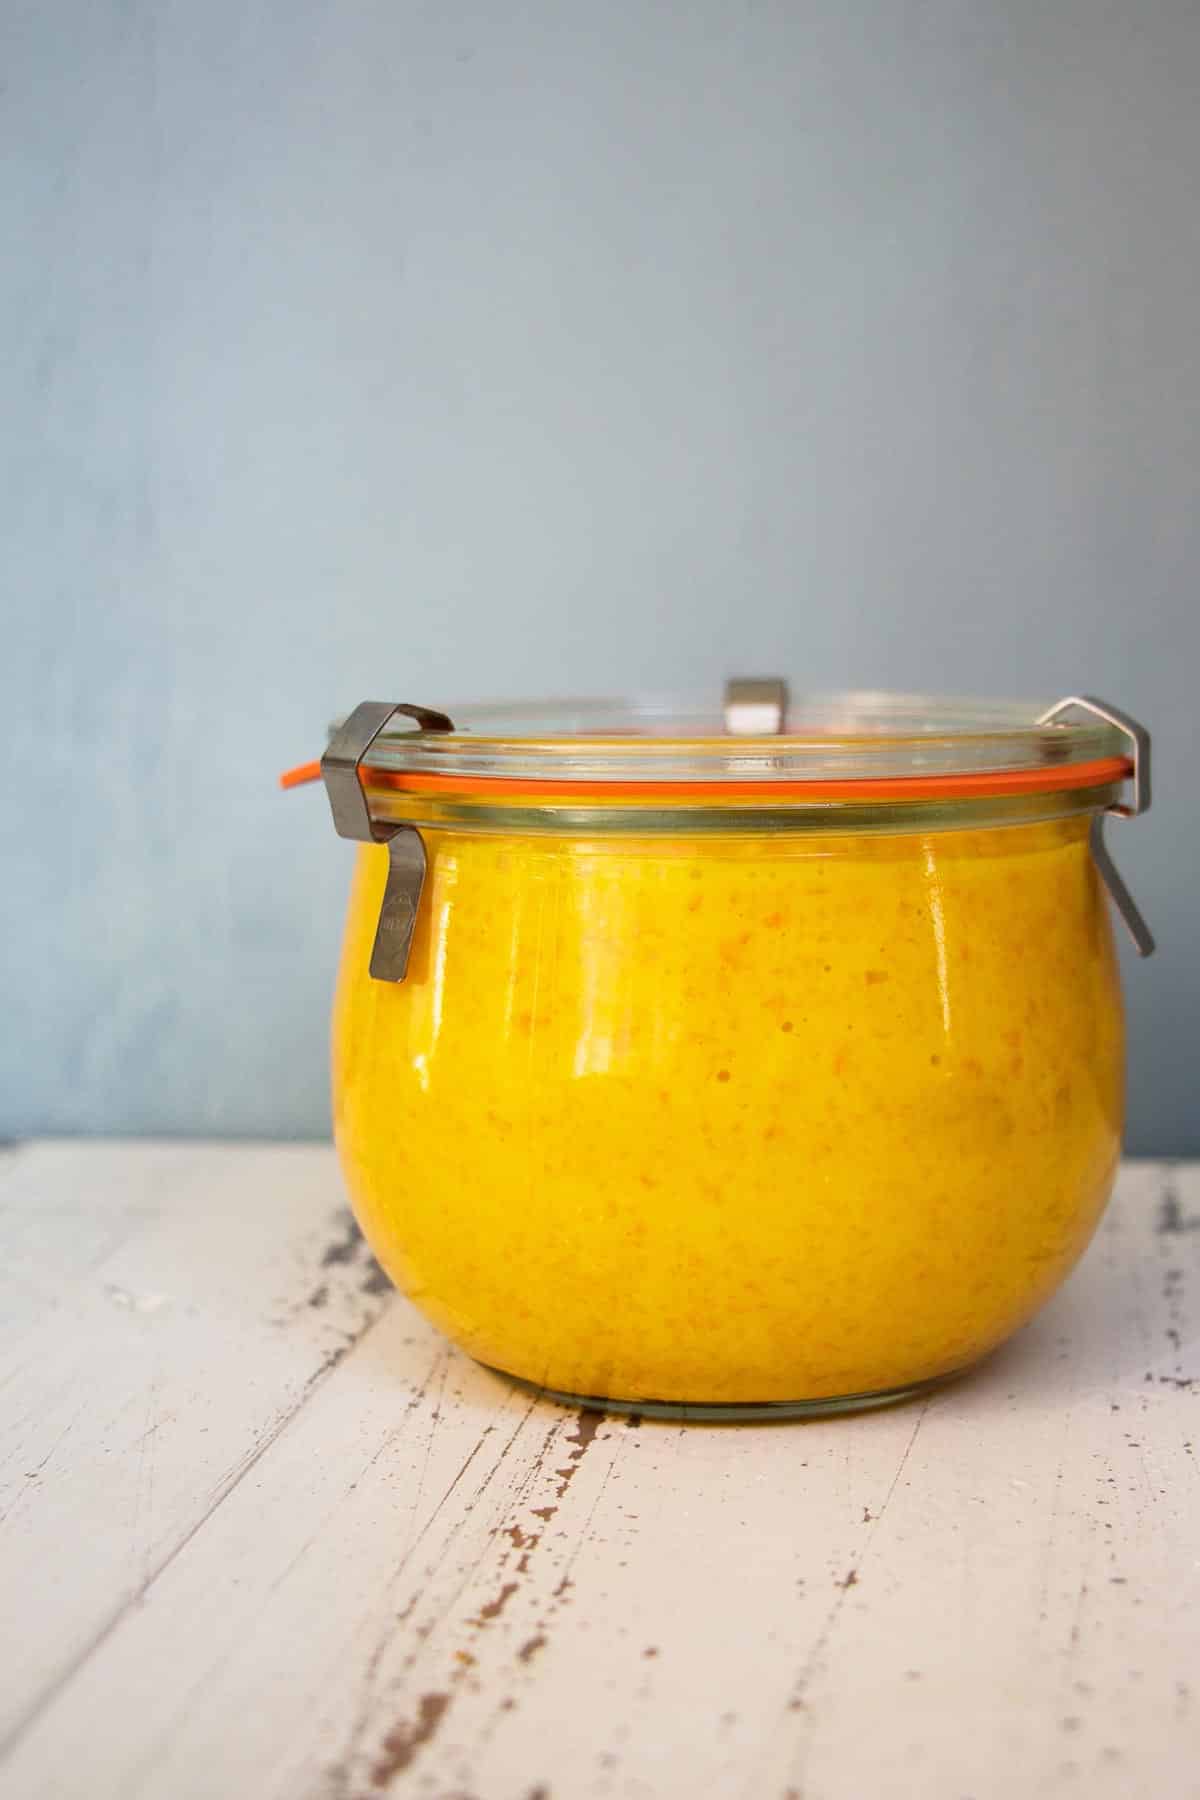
(266, 1534)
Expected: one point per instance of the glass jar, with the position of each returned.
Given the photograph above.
(767, 1062)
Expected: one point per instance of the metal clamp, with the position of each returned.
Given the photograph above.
(341, 773)
(755, 706)
(1139, 740)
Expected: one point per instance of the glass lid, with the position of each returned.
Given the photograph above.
(759, 738)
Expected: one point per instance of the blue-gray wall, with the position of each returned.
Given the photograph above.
(455, 350)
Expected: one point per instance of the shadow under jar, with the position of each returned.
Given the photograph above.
(765, 1063)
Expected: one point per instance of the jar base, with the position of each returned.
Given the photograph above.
(736, 1412)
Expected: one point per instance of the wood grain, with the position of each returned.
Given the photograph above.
(265, 1533)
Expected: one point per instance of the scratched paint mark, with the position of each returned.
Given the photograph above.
(1172, 1221)
(338, 1774)
(798, 1700)
(345, 1248)
(590, 1421)
(587, 1425)
(330, 1361)
(524, 1541)
(1173, 1282)
(495, 1607)
(403, 1742)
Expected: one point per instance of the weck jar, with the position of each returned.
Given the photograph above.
(769, 1060)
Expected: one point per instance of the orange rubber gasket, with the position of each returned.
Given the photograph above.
(300, 774)
(1049, 780)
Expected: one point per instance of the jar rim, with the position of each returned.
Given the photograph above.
(850, 746)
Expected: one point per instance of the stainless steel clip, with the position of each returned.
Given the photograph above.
(340, 771)
(1139, 740)
(755, 706)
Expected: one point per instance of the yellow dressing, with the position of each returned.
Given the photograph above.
(734, 1119)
